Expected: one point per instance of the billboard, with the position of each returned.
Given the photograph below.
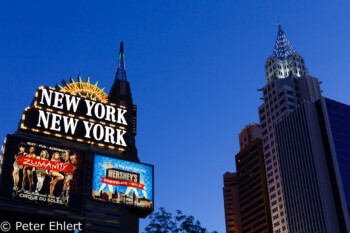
(41, 173)
(78, 118)
(122, 182)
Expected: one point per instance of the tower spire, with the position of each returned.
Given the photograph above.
(121, 73)
(283, 47)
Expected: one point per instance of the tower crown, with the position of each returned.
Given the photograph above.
(283, 47)
(285, 61)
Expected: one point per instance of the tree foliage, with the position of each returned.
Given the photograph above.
(164, 222)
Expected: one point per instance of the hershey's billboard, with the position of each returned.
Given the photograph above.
(123, 182)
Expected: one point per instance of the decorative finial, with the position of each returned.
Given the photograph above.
(283, 47)
(121, 73)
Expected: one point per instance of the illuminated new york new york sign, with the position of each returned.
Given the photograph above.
(61, 114)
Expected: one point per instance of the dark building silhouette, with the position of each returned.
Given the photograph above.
(105, 196)
(252, 186)
(231, 203)
(120, 94)
(115, 195)
(246, 199)
(125, 219)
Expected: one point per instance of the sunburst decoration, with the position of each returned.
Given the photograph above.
(85, 89)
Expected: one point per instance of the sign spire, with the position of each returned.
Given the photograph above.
(121, 73)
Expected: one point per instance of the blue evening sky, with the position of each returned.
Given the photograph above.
(194, 69)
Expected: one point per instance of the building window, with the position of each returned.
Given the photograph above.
(276, 225)
(264, 132)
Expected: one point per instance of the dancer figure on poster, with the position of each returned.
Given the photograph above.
(41, 173)
(28, 172)
(68, 176)
(17, 168)
(55, 175)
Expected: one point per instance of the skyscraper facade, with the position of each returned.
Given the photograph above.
(288, 85)
(314, 154)
(334, 120)
(248, 134)
(246, 197)
(231, 203)
(252, 186)
(310, 206)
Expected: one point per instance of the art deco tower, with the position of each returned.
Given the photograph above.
(288, 85)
